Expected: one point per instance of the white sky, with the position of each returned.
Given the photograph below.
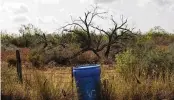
(50, 15)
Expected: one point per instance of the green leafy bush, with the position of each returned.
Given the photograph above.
(126, 63)
(36, 58)
(148, 63)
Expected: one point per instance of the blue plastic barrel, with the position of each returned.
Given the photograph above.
(88, 81)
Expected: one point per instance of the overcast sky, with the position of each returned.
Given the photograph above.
(49, 15)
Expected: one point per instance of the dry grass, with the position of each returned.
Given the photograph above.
(56, 84)
(116, 88)
(37, 84)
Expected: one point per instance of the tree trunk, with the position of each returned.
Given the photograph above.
(26, 43)
(96, 53)
(108, 47)
(107, 51)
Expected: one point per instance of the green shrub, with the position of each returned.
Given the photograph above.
(145, 62)
(126, 63)
(36, 58)
(59, 54)
(160, 61)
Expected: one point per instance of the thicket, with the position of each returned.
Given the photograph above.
(148, 58)
(152, 48)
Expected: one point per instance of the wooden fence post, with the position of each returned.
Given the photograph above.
(19, 68)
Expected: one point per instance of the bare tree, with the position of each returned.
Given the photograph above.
(85, 24)
(114, 34)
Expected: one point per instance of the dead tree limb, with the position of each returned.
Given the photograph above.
(113, 35)
(85, 25)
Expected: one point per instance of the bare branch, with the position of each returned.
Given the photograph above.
(102, 47)
(127, 30)
(82, 20)
(86, 17)
(112, 19)
(100, 30)
(99, 41)
(121, 17)
(73, 24)
(95, 13)
(123, 23)
(80, 26)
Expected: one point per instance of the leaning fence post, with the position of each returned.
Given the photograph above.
(19, 68)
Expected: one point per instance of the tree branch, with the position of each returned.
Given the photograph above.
(74, 24)
(100, 30)
(123, 23)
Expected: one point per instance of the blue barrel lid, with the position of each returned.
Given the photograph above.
(82, 67)
(86, 70)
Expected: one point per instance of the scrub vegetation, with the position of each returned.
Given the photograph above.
(134, 65)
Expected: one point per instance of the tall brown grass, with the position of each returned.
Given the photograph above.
(42, 86)
(117, 88)
(37, 85)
